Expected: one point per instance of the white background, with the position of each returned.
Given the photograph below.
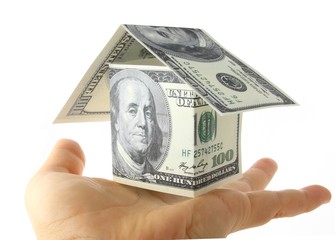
(46, 47)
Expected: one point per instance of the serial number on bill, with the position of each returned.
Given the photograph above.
(208, 150)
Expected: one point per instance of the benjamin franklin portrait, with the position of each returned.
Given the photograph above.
(140, 124)
(189, 43)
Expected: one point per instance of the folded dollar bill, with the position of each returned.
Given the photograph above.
(174, 97)
(165, 137)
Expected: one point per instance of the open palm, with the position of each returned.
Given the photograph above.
(62, 204)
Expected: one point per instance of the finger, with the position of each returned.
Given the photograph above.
(267, 205)
(257, 177)
(221, 212)
(67, 156)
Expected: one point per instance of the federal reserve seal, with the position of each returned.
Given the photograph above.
(231, 82)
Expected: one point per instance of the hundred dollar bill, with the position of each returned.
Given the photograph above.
(226, 83)
(165, 137)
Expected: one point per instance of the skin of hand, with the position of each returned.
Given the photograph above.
(63, 204)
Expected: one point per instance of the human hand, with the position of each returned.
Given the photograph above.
(62, 204)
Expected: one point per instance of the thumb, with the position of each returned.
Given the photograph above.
(67, 156)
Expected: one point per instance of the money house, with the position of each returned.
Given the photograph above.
(174, 97)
